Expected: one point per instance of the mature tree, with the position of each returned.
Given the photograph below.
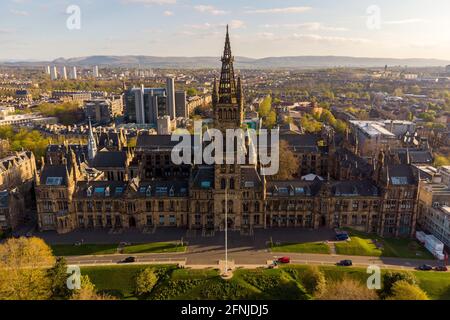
(314, 280)
(347, 289)
(58, 276)
(88, 291)
(310, 125)
(146, 281)
(23, 269)
(391, 277)
(440, 160)
(288, 163)
(265, 106)
(403, 290)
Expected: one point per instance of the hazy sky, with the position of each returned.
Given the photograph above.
(37, 29)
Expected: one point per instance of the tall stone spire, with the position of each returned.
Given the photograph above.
(227, 86)
(92, 144)
(228, 101)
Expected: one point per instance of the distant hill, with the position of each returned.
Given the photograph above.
(241, 62)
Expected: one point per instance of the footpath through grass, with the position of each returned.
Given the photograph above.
(308, 247)
(362, 244)
(285, 283)
(105, 249)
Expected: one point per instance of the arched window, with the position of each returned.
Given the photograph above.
(232, 184)
(230, 206)
(220, 114)
(223, 184)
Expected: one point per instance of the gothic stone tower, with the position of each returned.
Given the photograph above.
(227, 99)
(228, 108)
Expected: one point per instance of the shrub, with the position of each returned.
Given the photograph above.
(403, 290)
(391, 277)
(347, 289)
(314, 280)
(145, 281)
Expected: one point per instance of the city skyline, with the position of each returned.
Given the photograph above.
(183, 27)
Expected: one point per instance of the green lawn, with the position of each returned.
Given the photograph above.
(104, 249)
(85, 249)
(309, 247)
(283, 283)
(157, 247)
(362, 244)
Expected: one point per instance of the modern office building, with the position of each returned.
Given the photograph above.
(145, 105)
(54, 73)
(103, 111)
(73, 73)
(180, 104)
(95, 72)
(170, 92)
(63, 73)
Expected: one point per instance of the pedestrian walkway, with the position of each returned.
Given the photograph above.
(332, 247)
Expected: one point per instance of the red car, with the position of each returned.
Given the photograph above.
(284, 260)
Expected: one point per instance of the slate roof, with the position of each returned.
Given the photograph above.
(162, 188)
(293, 188)
(401, 174)
(366, 188)
(203, 176)
(99, 189)
(55, 171)
(110, 159)
(4, 199)
(250, 177)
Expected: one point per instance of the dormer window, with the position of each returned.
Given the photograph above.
(171, 192)
(148, 193)
(107, 192)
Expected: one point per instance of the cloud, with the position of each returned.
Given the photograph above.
(168, 13)
(237, 24)
(310, 38)
(19, 13)
(149, 2)
(329, 39)
(281, 10)
(312, 26)
(405, 21)
(234, 24)
(210, 9)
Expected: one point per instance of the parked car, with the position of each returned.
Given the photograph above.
(128, 260)
(441, 268)
(342, 237)
(284, 260)
(345, 263)
(425, 267)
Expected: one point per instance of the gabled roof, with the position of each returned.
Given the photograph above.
(366, 188)
(51, 173)
(401, 174)
(110, 159)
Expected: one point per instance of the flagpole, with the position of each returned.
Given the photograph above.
(226, 232)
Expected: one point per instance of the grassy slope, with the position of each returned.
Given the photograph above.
(283, 283)
(158, 247)
(104, 249)
(361, 245)
(85, 249)
(310, 247)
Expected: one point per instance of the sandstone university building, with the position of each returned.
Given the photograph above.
(95, 186)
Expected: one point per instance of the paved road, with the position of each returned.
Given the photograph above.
(250, 258)
(207, 251)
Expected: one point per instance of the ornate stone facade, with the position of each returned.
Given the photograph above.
(379, 197)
